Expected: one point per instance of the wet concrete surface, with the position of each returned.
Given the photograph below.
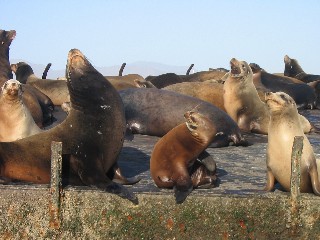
(241, 170)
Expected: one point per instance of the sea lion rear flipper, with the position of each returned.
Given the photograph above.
(116, 175)
(207, 160)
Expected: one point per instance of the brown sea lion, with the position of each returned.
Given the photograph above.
(175, 154)
(16, 121)
(242, 102)
(56, 90)
(283, 127)
(303, 94)
(209, 92)
(92, 136)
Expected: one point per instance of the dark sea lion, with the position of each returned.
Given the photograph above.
(56, 90)
(206, 91)
(16, 121)
(164, 80)
(293, 69)
(92, 135)
(155, 112)
(6, 37)
(243, 104)
(283, 127)
(302, 94)
(174, 155)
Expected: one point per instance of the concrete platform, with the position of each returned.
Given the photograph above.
(236, 209)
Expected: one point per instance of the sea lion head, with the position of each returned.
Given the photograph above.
(279, 101)
(200, 126)
(86, 85)
(6, 37)
(12, 89)
(291, 67)
(22, 71)
(239, 69)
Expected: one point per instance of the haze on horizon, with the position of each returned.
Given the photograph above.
(176, 33)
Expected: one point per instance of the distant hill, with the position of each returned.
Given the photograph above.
(143, 68)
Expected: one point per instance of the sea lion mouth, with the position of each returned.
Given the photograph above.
(191, 121)
(235, 68)
(76, 61)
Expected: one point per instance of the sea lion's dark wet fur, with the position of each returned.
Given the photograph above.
(92, 135)
(155, 112)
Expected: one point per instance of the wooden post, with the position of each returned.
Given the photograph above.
(121, 69)
(189, 69)
(55, 185)
(295, 182)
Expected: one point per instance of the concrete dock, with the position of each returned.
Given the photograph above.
(237, 208)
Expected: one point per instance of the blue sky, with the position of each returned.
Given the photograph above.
(206, 33)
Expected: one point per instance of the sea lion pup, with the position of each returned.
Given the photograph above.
(284, 125)
(175, 154)
(242, 102)
(92, 136)
(207, 91)
(303, 94)
(56, 90)
(16, 121)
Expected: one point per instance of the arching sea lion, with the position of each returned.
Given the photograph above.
(283, 127)
(173, 158)
(243, 104)
(16, 121)
(92, 135)
(154, 112)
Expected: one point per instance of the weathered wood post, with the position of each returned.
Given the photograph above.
(295, 182)
(189, 69)
(122, 68)
(55, 185)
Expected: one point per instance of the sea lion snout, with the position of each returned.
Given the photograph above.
(12, 87)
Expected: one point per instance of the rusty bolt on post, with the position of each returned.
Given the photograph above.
(55, 185)
(295, 183)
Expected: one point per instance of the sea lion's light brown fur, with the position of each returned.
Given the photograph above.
(176, 152)
(16, 121)
(243, 104)
(283, 127)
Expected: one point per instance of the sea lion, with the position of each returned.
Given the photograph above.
(6, 38)
(207, 91)
(293, 69)
(16, 121)
(29, 98)
(92, 135)
(211, 75)
(242, 102)
(175, 154)
(56, 90)
(303, 94)
(154, 112)
(283, 127)
(164, 80)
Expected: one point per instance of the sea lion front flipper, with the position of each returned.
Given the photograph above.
(181, 194)
(270, 181)
(116, 175)
(121, 191)
(313, 172)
